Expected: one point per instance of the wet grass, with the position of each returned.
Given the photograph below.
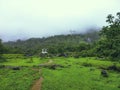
(24, 61)
(17, 79)
(76, 74)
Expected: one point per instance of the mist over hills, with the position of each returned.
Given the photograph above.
(54, 44)
(24, 36)
(24, 19)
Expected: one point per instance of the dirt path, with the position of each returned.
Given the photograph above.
(37, 85)
(49, 62)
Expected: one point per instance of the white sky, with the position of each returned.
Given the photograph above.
(38, 18)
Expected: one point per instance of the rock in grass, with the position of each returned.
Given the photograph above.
(54, 66)
(104, 73)
(51, 66)
(16, 68)
(62, 55)
(13, 67)
(113, 67)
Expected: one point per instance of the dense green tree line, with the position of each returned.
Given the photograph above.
(2, 50)
(109, 44)
(104, 43)
(55, 45)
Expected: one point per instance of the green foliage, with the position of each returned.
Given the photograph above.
(2, 49)
(55, 44)
(109, 44)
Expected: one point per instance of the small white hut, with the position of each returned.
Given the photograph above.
(44, 51)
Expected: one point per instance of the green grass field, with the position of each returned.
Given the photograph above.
(75, 74)
(17, 79)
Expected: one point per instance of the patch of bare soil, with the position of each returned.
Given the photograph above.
(37, 85)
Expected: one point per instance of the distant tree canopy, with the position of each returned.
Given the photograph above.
(1, 47)
(109, 44)
(55, 44)
(1, 50)
(106, 45)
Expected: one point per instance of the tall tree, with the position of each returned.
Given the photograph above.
(1, 49)
(109, 44)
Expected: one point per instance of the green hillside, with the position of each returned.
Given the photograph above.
(54, 44)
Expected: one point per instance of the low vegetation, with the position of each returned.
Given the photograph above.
(22, 79)
(60, 74)
(79, 62)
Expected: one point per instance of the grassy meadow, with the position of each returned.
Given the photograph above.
(17, 80)
(69, 73)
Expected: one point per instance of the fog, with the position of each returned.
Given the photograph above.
(22, 19)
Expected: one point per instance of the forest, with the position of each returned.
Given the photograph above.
(93, 56)
(59, 44)
(102, 43)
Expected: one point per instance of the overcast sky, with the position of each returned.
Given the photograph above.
(20, 19)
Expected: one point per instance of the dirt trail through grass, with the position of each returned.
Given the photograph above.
(38, 84)
(49, 62)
